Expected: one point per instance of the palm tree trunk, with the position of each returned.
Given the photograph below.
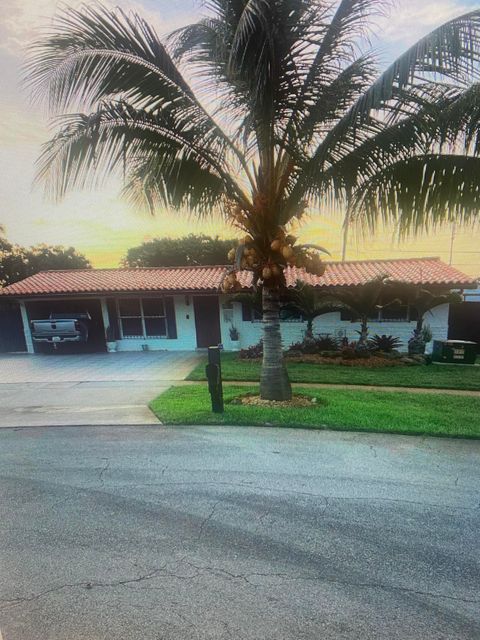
(274, 382)
(309, 330)
(362, 341)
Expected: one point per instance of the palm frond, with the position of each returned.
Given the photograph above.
(93, 53)
(421, 192)
(88, 148)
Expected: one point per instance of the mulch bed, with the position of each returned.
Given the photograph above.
(372, 362)
(257, 401)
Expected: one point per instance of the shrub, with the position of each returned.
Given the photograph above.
(427, 334)
(384, 343)
(313, 345)
(352, 353)
(253, 352)
(348, 353)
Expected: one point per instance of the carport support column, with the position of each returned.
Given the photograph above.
(105, 316)
(26, 328)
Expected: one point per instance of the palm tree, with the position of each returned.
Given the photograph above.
(283, 109)
(362, 301)
(424, 300)
(310, 303)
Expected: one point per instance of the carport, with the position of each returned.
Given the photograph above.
(41, 309)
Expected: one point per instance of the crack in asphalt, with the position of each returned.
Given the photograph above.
(10, 602)
(207, 519)
(103, 470)
(248, 578)
(250, 485)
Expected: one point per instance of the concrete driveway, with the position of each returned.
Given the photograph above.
(237, 533)
(103, 388)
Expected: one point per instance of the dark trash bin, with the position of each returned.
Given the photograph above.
(454, 351)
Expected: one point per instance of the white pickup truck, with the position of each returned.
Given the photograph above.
(61, 328)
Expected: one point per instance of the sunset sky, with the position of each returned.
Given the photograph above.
(100, 224)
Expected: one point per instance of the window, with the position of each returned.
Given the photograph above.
(391, 313)
(394, 313)
(347, 315)
(227, 308)
(142, 318)
(290, 315)
(252, 314)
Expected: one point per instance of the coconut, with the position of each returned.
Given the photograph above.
(287, 252)
(276, 271)
(232, 278)
(300, 261)
(266, 273)
(276, 245)
(231, 255)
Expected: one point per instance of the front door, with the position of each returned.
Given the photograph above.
(207, 321)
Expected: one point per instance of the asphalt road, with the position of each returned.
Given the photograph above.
(153, 533)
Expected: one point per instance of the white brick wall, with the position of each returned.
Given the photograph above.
(251, 332)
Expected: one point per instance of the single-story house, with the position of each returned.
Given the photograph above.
(182, 308)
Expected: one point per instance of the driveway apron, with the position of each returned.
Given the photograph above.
(90, 389)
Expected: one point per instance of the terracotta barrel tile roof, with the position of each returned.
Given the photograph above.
(431, 271)
(428, 271)
(116, 280)
(413, 270)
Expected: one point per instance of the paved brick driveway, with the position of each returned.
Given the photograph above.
(90, 389)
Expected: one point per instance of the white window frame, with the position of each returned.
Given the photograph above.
(227, 310)
(142, 317)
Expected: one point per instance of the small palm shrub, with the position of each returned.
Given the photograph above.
(384, 343)
(427, 334)
(419, 340)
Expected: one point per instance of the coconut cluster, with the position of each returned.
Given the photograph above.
(268, 262)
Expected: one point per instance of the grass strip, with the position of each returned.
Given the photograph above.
(344, 410)
(423, 376)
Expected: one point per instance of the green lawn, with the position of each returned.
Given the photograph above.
(432, 376)
(345, 410)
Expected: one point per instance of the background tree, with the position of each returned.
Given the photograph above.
(17, 263)
(190, 250)
(306, 119)
(4, 243)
